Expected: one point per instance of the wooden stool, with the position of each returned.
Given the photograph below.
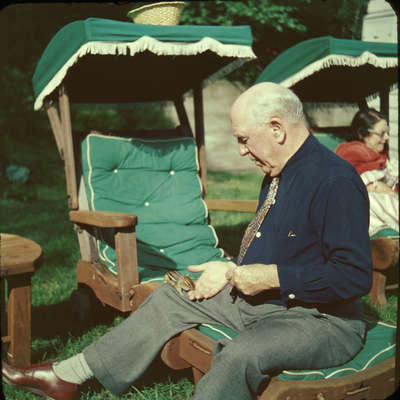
(18, 258)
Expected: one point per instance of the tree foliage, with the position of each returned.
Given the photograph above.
(279, 24)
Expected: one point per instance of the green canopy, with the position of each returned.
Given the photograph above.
(101, 60)
(328, 69)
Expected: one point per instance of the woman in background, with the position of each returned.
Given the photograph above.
(367, 151)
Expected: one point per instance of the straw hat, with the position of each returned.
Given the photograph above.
(164, 13)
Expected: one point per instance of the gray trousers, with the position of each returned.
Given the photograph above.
(271, 338)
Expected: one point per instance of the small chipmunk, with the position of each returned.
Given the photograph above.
(179, 282)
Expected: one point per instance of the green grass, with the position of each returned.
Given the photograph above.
(38, 210)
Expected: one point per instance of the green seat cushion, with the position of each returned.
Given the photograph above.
(380, 344)
(328, 140)
(156, 179)
(387, 232)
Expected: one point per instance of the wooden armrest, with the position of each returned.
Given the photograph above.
(103, 219)
(232, 205)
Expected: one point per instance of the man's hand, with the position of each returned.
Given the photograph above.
(212, 279)
(253, 279)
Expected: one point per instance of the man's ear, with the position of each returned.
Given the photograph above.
(278, 130)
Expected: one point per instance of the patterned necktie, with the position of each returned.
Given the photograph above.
(258, 219)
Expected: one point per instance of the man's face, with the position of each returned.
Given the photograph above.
(259, 143)
(378, 136)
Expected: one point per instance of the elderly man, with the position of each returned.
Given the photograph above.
(293, 293)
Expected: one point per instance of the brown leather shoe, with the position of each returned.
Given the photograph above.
(41, 380)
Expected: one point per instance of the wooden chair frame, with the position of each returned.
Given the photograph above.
(193, 349)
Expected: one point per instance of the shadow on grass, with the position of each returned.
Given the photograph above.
(57, 334)
(59, 320)
(158, 374)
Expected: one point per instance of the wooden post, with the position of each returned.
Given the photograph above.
(397, 362)
(69, 159)
(384, 101)
(181, 111)
(197, 375)
(5, 339)
(19, 320)
(126, 255)
(55, 124)
(199, 128)
(362, 104)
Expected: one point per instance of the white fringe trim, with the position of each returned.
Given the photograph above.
(245, 53)
(347, 61)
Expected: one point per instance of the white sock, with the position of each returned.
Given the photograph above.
(74, 369)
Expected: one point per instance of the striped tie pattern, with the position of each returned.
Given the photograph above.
(258, 219)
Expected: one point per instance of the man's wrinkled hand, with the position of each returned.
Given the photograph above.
(212, 279)
(253, 279)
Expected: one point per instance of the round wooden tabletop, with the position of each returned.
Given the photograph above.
(18, 255)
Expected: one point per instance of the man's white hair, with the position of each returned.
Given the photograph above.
(278, 101)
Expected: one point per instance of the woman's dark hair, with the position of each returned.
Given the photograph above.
(363, 121)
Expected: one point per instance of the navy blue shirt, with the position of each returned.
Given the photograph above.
(317, 230)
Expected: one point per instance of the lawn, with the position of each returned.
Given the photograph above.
(38, 210)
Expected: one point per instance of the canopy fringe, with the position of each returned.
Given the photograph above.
(244, 53)
(340, 60)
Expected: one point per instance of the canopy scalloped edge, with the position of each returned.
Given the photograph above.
(240, 52)
(340, 60)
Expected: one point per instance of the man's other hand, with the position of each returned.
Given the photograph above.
(253, 279)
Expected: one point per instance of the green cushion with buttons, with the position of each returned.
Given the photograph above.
(156, 179)
(380, 344)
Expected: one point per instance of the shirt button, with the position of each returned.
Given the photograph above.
(172, 172)
(258, 234)
(147, 204)
(292, 296)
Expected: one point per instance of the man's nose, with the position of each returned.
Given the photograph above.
(243, 150)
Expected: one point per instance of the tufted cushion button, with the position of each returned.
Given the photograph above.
(146, 203)
(172, 172)
(162, 250)
(115, 171)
